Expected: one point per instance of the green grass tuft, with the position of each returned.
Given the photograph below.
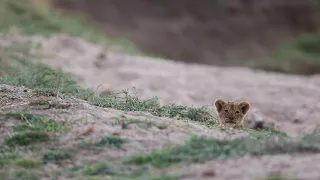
(165, 177)
(33, 129)
(26, 138)
(19, 175)
(277, 177)
(149, 177)
(56, 156)
(24, 116)
(112, 141)
(33, 122)
(100, 169)
(28, 163)
(6, 157)
(127, 121)
(266, 132)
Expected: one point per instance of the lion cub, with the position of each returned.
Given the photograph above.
(232, 112)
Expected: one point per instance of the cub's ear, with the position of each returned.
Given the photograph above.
(245, 106)
(219, 103)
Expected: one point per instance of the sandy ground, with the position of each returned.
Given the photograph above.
(292, 101)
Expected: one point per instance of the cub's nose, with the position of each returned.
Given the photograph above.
(231, 118)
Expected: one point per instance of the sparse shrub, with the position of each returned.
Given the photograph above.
(112, 141)
(100, 169)
(127, 121)
(28, 163)
(25, 116)
(27, 138)
(19, 175)
(6, 157)
(34, 129)
(165, 177)
(56, 156)
(32, 122)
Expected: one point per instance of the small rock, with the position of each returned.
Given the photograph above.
(297, 121)
(208, 173)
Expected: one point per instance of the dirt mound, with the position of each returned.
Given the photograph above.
(228, 32)
(154, 134)
(291, 101)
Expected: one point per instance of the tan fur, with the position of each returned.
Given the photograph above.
(232, 112)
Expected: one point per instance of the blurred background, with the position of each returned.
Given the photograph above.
(273, 35)
(278, 35)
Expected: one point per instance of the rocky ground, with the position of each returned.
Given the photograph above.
(88, 131)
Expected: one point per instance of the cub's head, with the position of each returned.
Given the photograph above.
(232, 112)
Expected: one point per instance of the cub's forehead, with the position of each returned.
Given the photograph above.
(231, 105)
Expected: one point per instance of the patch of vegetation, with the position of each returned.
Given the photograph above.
(56, 156)
(6, 157)
(42, 125)
(48, 105)
(24, 116)
(277, 177)
(27, 138)
(5, 90)
(19, 175)
(201, 149)
(44, 80)
(100, 169)
(33, 122)
(120, 173)
(39, 102)
(74, 171)
(311, 140)
(28, 163)
(300, 57)
(132, 103)
(165, 177)
(125, 122)
(149, 177)
(112, 141)
(34, 129)
(267, 132)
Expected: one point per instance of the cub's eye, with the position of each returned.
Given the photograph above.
(226, 110)
(237, 112)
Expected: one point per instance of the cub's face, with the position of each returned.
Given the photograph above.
(231, 112)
